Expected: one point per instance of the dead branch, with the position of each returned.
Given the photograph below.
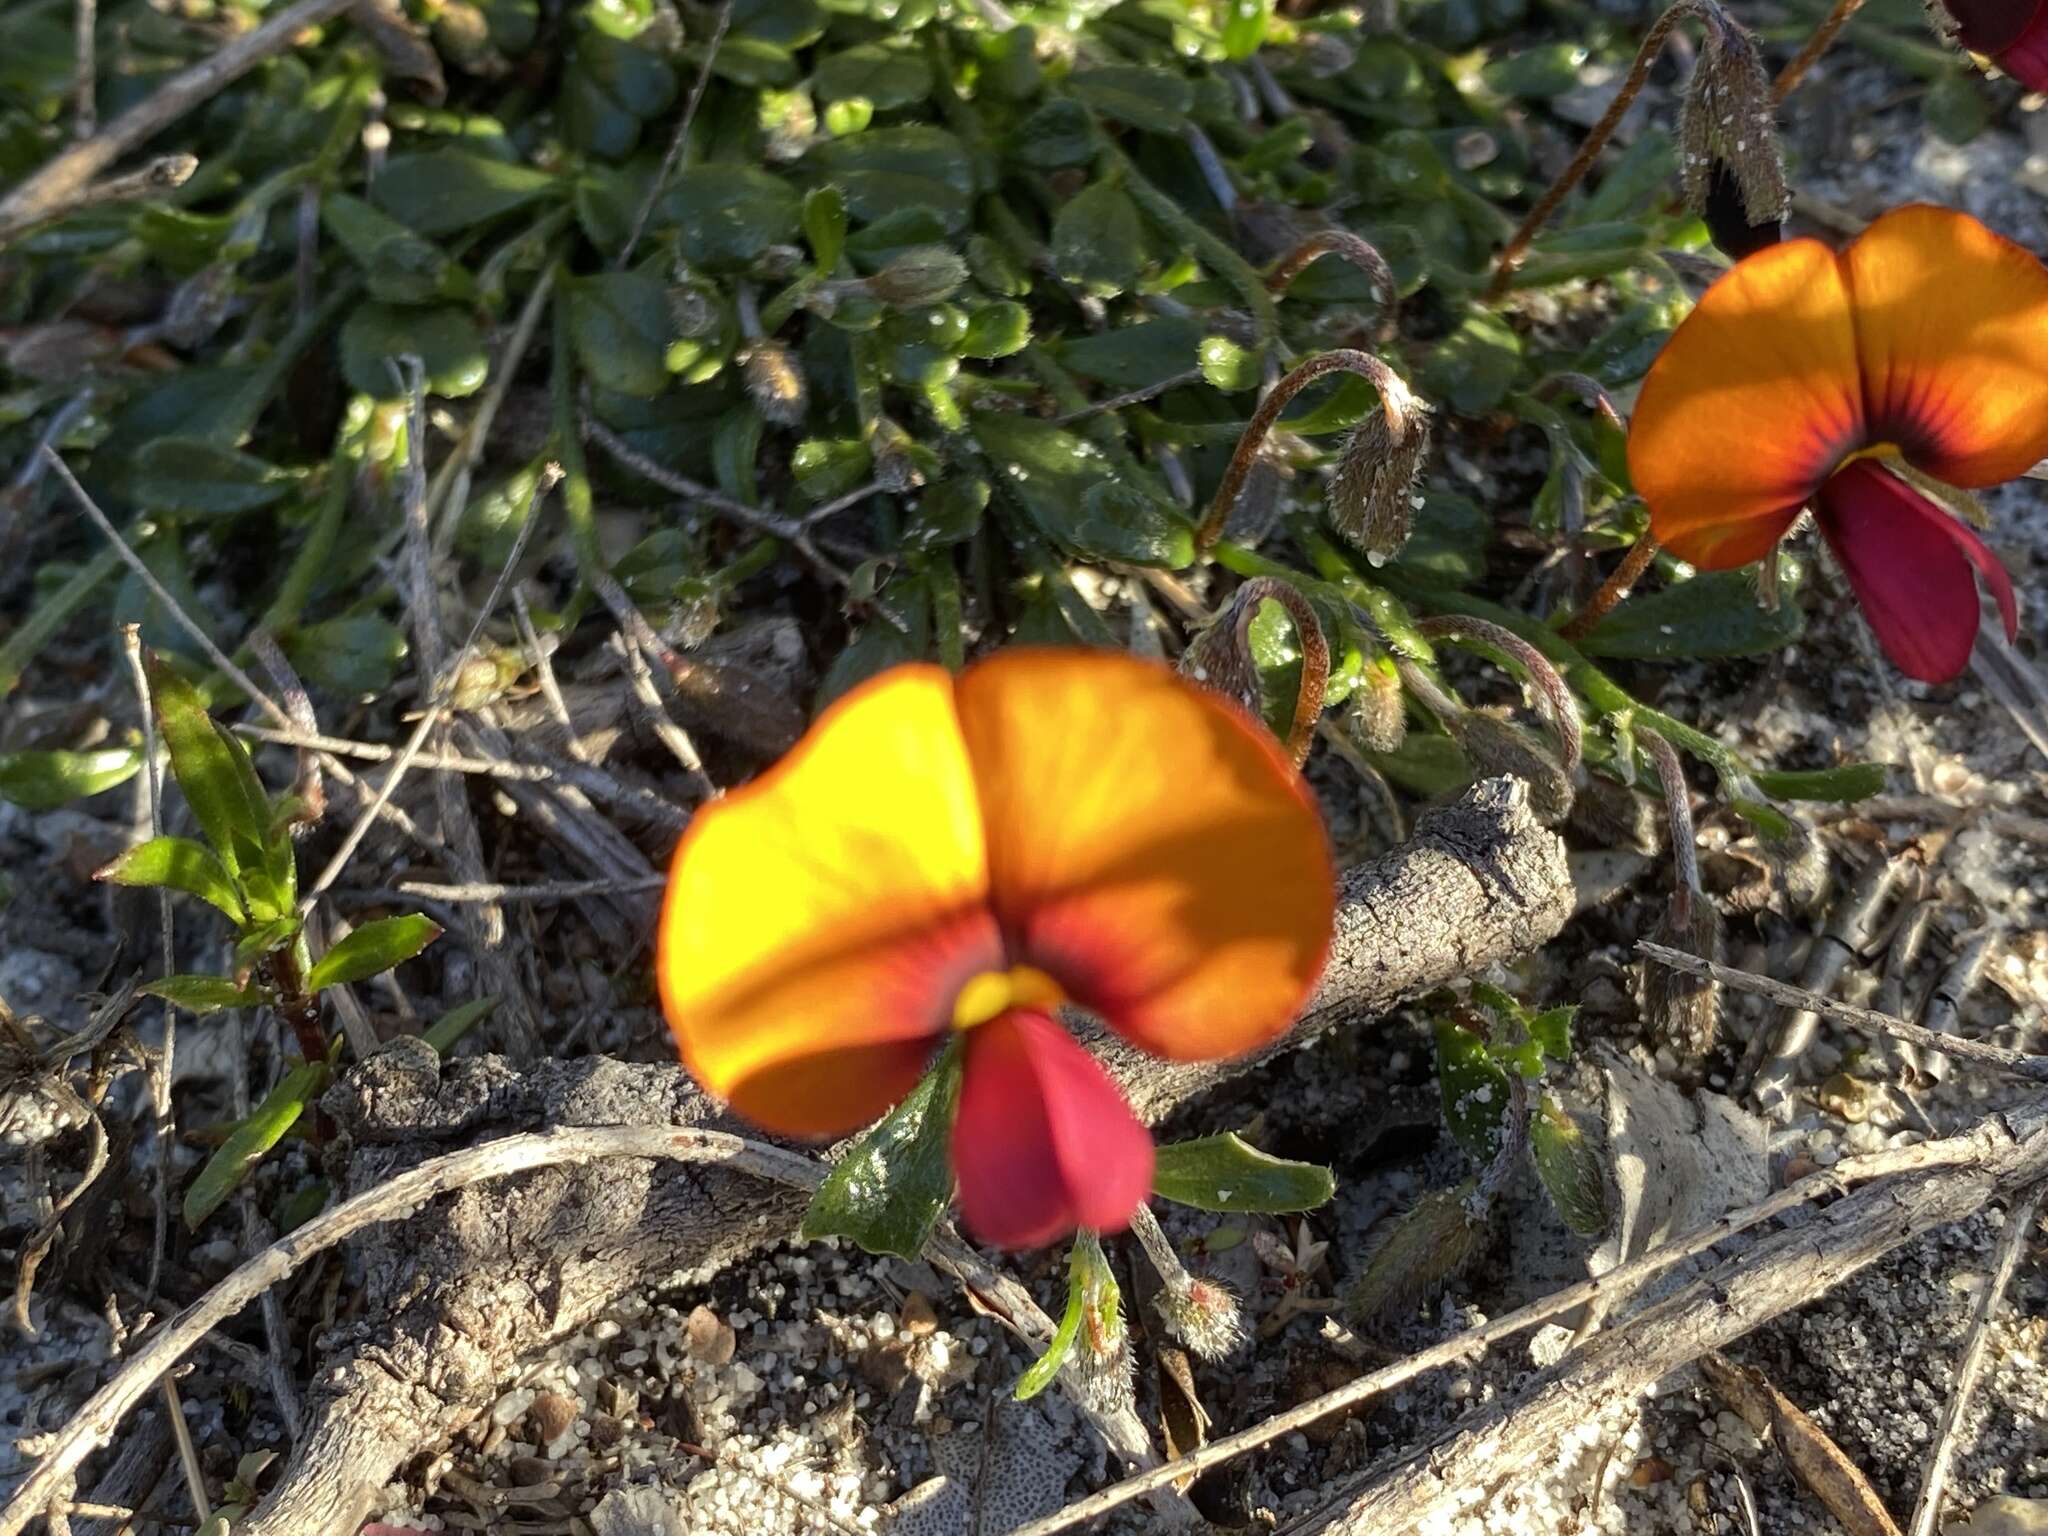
(455, 1297)
(1783, 1271)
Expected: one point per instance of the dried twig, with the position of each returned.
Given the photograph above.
(85, 111)
(2019, 1224)
(554, 890)
(1997, 1057)
(392, 1200)
(1813, 1456)
(58, 183)
(678, 140)
(160, 1082)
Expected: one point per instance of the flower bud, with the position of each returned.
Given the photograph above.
(896, 468)
(926, 274)
(694, 311)
(1372, 498)
(1423, 1251)
(1680, 1009)
(1494, 746)
(1376, 715)
(1203, 1315)
(774, 382)
(1734, 176)
(1100, 1365)
(1220, 658)
(1612, 815)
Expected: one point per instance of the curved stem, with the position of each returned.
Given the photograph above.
(1616, 587)
(1558, 707)
(1292, 383)
(1357, 250)
(1816, 45)
(1678, 807)
(1631, 86)
(1315, 654)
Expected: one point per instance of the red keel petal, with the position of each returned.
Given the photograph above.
(1910, 563)
(1043, 1141)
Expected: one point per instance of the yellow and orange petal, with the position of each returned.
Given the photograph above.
(1952, 339)
(1752, 402)
(1150, 847)
(819, 921)
(1923, 336)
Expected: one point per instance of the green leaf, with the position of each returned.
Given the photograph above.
(1039, 1374)
(1143, 95)
(1097, 240)
(1955, 107)
(610, 88)
(887, 77)
(888, 1191)
(1569, 1168)
(1711, 615)
(830, 466)
(1058, 135)
(1473, 368)
(1548, 69)
(358, 653)
(620, 324)
(372, 949)
(190, 474)
(1474, 1088)
(1552, 1030)
(211, 766)
(1846, 784)
(440, 191)
(996, 330)
(250, 1140)
(375, 336)
(179, 864)
(202, 995)
(1139, 356)
(42, 781)
(727, 215)
(397, 265)
(1076, 496)
(1227, 1173)
(883, 169)
(1244, 27)
(825, 225)
(458, 1021)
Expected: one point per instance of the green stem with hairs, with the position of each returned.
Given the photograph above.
(1212, 248)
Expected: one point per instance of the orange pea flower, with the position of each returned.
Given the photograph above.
(949, 855)
(2012, 33)
(1805, 376)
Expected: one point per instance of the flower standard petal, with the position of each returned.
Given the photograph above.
(1751, 403)
(1150, 848)
(1951, 331)
(2027, 59)
(1911, 565)
(1990, 27)
(819, 921)
(1043, 1141)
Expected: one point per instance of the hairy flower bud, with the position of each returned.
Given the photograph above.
(1680, 1009)
(1372, 498)
(1612, 815)
(1423, 1251)
(775, 383)
(896, 468)
(1100, 1365)
(1734, 176)
(1203, 1315)
(1376, 715)
(1494, 746)
(925, 274)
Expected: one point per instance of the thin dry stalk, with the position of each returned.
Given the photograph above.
(679, 140)
(160, 1083)
(1617, 586)
(85, 112)
(554, 890)
(2019, 1225)
(1816, 45)
(1869, 1021)
(188, 1453)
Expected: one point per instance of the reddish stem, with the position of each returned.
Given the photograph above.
(1816, 45)
(1612, 590)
